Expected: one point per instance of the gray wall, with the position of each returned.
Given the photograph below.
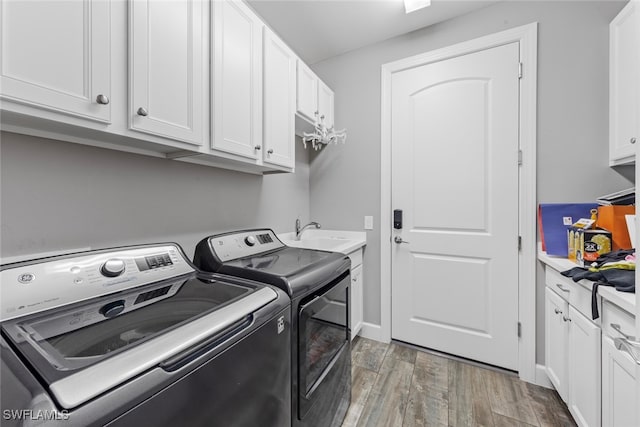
(572, 117)
(58, 196)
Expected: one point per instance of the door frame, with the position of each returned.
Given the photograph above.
(526, 36)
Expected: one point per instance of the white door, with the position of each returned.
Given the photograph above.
(167, 75)
(279, 101)
(454, 136)
(56, 55)
(237, 79)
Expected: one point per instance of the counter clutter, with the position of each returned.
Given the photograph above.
(625, 300)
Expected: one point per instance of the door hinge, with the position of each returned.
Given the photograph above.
(519, 330)
(519, 157)
(519, 70)
(519, 243)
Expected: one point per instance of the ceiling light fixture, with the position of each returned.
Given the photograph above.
(413, 5)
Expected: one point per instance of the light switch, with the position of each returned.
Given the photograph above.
(368, 223)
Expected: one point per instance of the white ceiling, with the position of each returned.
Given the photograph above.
(320, 29)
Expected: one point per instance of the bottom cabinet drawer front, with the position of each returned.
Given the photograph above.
(580, 298)
(614, 315)
(356, 258)
(559, 284)
(619, 393)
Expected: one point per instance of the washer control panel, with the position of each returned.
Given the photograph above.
(228, 247)
(30, 287)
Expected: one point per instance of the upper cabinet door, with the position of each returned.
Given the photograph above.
(237, 79)
(56, 55)
(279, 101)
(307, 92)
(325, 104)
(624, 69)
(167, 68)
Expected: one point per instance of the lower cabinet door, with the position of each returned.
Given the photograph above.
(556, 333)
(619, 395)
(356, 301)
(584, 370)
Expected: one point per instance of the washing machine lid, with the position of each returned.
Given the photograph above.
(86, 349)
(259, 255)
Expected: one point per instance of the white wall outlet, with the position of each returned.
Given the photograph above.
(368, 223)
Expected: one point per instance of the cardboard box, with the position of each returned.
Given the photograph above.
(554, 219)
(585, 246)
(612, 218)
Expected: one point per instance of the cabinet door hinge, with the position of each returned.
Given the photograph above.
(519, 330)
(519, 243)
(519, 70)
(519, 157)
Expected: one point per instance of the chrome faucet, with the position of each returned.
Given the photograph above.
(299, 229)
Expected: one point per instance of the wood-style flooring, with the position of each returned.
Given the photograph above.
(395, 385)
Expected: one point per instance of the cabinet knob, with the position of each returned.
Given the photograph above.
(557, 311)
(102, 99)
(633, 140)
(142, 112)
(566, 319)
(270, 151)
(257, 147)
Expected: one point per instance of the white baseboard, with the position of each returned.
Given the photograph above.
(542, 379)
(372, 332)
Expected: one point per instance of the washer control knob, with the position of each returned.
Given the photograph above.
(112, 309)
(250, 240)
(112, 268)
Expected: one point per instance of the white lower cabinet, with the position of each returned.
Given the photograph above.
(584, 369)
(619, 393)
(356, 293)
(573, 348)
(356, 301)
(556, 343)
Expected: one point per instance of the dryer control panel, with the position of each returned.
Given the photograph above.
(230, 246)
(33, 286)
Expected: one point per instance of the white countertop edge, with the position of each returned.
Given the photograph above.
(624, 300)
(349, 240)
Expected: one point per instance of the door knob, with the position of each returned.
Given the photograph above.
(399, 240)
(102, 99)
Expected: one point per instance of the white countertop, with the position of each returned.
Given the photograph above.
(624, 300)
(327, 240)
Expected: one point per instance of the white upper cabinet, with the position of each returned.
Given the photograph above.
(624, 69)
(314, 100)
(57, 56)
(307, 92)
(236, 80)
(325, 104)
(166, 69)
(279, 102)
